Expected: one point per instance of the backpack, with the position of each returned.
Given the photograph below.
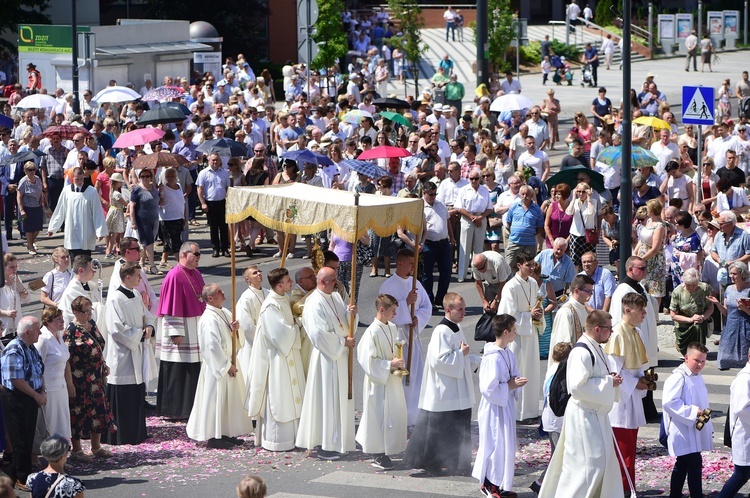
(558, 390)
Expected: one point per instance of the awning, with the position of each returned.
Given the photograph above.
(162, 48)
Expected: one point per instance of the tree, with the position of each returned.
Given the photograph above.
(17, 12)
(330, 35)
(408, 13)
(502, 30)
(603, 15)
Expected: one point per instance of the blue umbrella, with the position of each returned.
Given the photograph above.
(306, 156)
(224, 147)
(639, 157)
(370, 170)
(22, 157)
(6, 122)
(175, 105)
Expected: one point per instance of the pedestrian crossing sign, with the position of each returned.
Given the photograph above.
(697, 105)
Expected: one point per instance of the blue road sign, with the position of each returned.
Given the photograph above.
(698, 105)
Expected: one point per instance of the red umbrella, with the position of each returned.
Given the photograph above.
(67, 132)
(159, 160)
(384, 151)
(140, 136)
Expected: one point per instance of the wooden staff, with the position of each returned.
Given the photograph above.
(353, 287)
(417, 236)
(286, 248)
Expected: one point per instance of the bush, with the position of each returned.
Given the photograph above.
(603, 15)
(532, 53)
(571, 52)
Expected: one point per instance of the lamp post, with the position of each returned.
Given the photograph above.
(74, 29)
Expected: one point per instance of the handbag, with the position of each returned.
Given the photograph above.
(483, 331)
(591, 234)
(494, 222)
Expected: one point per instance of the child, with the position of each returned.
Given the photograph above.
(551, 423)
(251, 487)
(627, 355)
(498, 381)
(115, 216)
(56, 280)
(685, 397)
(545, 69)
(382, 430)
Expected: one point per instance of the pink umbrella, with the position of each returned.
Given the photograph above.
(140, 136)
(384, 151)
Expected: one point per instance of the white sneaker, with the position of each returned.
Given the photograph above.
(277, 255)
(290, 256)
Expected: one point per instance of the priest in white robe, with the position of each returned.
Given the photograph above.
(80, 209)
(519, 299)
(570, 319)
(587, 467)
(304, 285)
(277, 381)
(739, 430)
(218, 413)
(399, 285)
(248, 309)
(327, 414)
(83, 284)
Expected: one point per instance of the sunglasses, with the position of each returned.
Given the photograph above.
(196, 254)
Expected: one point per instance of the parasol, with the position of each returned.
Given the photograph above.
(22, 157)
(640, 157)
(225, 147)
(67, 132)
(174, 105)
(164, 93)
(307, 156)
(569, 176)
(6, 122)
(356, 116)
(159, 160)
(391, 103)
(116, 94)
(140, 136)
(37, 101)
(655, 123)
(397, 118)
(384, 152)
(370, 170)
(160, 114)
(511, 102)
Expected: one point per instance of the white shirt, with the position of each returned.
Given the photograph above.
(718, 148)
(573, 11)
(510, 86)
(665, 153)
(474, 201)
(436, 221)
(448, 190)
(534, 161)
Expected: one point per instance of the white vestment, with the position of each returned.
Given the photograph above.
(248, 309)
(684, 396)
(565, 328)
(74, 290)
(647, 330)
(83, 217)
(627, 411)
(126, 318)
(496, 415)
(277, 382)
(739, 418)
(218, 407)
(327, 415)
(143, 288)
(586, 467)
(400, 288)
(382, 428)
(517, 299)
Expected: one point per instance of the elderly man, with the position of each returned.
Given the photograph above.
(517, 144)
(213, 183)
(570, 319)
(557, 265)
(665, 150)
(652, 100)
(327, 419)
(22, 395)
(538, 128)
(525, 221)
(473, 205)
(439, 240)
(180, 306)
(79, 145)
(604, 281)
(248, 309)
(28, 123)
(491, 271)
(535, 159)
(10, 175)
(732, 244)
(411, 186)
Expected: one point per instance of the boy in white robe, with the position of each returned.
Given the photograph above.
(218, 414)
(382, 429)
(248, 309)
(739, 430)
(570, 319)
(519, 299)
(498, 383)
(685, 397)
(587, 467)
(277, 382)
(82, 285)
(627, 355)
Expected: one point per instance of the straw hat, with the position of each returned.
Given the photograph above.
(117, 177)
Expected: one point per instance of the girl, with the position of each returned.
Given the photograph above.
(115, 216)
(56, 280)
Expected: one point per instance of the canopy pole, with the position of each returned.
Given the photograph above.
(417, 237)
(353, 293)
(232, 273)
(286, 248)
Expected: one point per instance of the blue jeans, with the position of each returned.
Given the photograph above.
(437, 252)
(739, 478)
(450, 27)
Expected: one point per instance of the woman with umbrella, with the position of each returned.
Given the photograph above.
(585, 212)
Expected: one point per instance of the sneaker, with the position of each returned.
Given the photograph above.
(490, 491)
(219, 444)
(277, 255)
(290, 255)
(382, 462)
(328, 455)
(535, 487)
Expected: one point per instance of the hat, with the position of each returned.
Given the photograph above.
(466, 118)
(117, 177)
(715, 224)
(650, 75)
(354, 76)
(469, 109)
(562, 57)
(608, 119)
(437, 107)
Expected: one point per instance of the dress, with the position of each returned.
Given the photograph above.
(31, 200)
(54, 417)
(90, 410)
(686, 303)
(656, 270)
(116, 214)
(684, 255)
(735, 337)
(559, 223)
(146, 213)
(494, 234)
(40, 482)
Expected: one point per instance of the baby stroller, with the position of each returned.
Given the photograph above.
(562, 70)
(586, 75)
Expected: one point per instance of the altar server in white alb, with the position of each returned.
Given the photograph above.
(399, 285)
(218, 413)
(327, 414)
(129, 324)
(277, 381)
(441, 441)
(382, 429)
(519, 299)
(248, 309)
(739, 431)
(570, 319)
(82, 284)
(685, 398)
(498, 382)
(587, 467)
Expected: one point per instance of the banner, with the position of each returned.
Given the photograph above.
(46, 38)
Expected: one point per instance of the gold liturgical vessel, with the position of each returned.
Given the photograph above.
(400, 355)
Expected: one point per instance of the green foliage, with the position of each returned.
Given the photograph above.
(570, 52)
(410, 16)
(330, 36)
(15, 12)
(532, 53)
(603, 15)
(502, 30)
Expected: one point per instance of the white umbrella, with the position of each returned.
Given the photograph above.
(511, 102)
(355, 116)
(117, 94)
(38, 101)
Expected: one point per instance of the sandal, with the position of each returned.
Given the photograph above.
(373, 275)
(155, 271)
(81, 456)
(102, 453)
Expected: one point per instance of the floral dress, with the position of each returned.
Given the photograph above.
(682, 247)
(656, 269)
(116, 214)
(90, 411)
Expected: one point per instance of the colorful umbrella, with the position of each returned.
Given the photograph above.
(22, 157)
(655, 123)
(117, 94)
(140, 136)
(569, 176)
(383, 152)
(164, 93)
(397, 118)
(37, 101)
(224, 147)
(356, 116)
(639, 157)
(160, 114)
(159, 160)
(511, 102)
(370, 170)
(67, 132)
(306, 156)
(391, 103)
